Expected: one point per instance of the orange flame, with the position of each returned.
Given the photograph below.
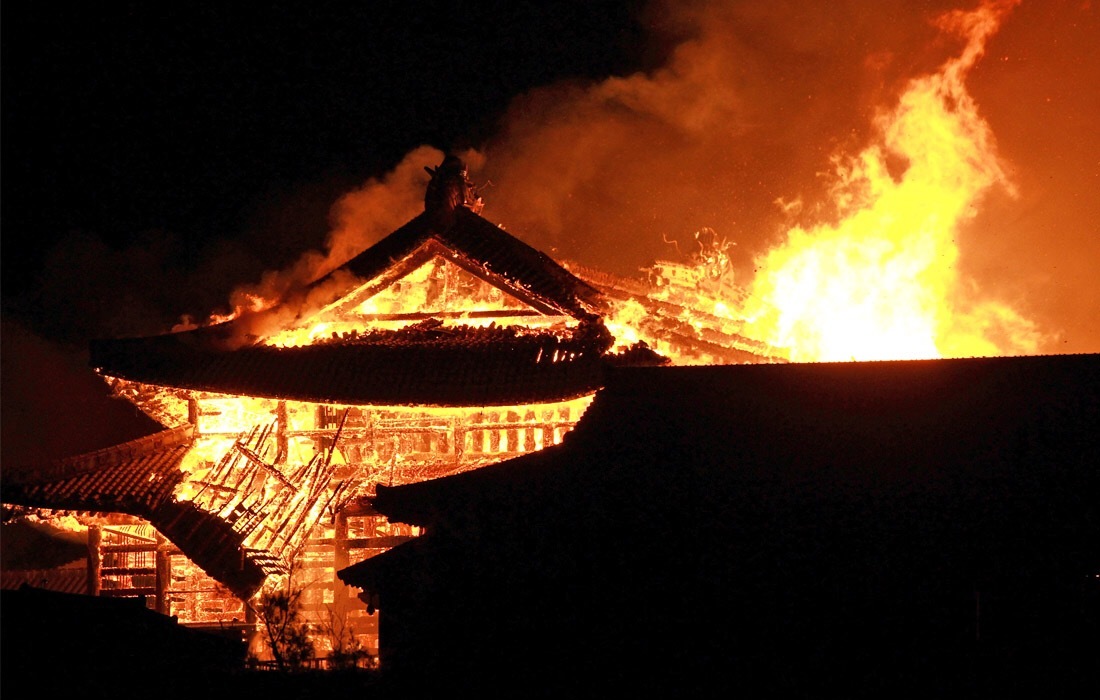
(882, 283)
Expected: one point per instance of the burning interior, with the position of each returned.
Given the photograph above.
(448, 346)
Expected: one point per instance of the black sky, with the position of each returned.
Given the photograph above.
(125, 118)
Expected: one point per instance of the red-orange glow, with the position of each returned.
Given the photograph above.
(883, 282)
(436, 288)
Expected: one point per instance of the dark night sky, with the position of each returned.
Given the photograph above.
(125, 117)
(132, 123)
(156, 157)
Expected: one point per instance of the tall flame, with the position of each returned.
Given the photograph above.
(882, 283)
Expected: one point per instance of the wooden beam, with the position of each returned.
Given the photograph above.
(384, 542)
(95, 559)
(128, 571)
(128, 592)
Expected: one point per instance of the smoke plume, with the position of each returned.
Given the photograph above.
(737, 129)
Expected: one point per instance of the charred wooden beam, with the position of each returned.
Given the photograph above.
(95, 560)
(126, 548)
(143, 592)
(128, 571)
(384, 542)
(282, 442)
(255, 458)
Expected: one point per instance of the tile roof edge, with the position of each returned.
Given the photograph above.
(113, 455)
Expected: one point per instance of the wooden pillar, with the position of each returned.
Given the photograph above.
(193, 413)
(281, 430)
(478, 437)
(164, 575)
(494, 432)
(340, 560)
(458, 437)
(95, 559)
(529, 432)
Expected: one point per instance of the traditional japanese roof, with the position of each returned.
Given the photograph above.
(487, 250)
(421, 365)
(854, 410)
(139, 478)
(135, 477)
(772, 521)
(459, 365)
(67, 579)
(30, 545)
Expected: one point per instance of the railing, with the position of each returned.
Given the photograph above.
(365, 663)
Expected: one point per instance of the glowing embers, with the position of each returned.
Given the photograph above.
(437, 288)
(133, 560)
(271, 503)
(275, 471)
(229, 415)
(690, 314)
(332, 616)
(166, 405)
(126, 561)
(196, 598)
(395, 445)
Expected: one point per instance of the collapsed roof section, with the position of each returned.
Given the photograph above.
(683, 314)
(448, 310)
(139, 478)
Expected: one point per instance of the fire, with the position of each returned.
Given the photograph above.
(883, 282)
(286, 463)
(291, 478)
(436, 288)
(687, 313)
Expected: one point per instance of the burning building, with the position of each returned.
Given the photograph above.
(447, 346)
(874, 529)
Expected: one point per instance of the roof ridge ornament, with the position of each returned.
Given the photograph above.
(449, 189)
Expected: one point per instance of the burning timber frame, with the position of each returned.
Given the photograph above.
(274, 445)
(447, 346)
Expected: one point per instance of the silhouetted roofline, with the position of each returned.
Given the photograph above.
(461, 366)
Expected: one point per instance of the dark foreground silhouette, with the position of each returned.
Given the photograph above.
(877, 530)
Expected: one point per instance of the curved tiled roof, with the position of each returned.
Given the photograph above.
(460, 366)
(896, 411)
(139, 478)
(497, 252)
(135, 477)
(463, 367)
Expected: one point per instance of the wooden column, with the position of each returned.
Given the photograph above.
(340, 560)
(193, 413)
(164, 574)
(95, 559)
(281, 430)
(458, 437)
